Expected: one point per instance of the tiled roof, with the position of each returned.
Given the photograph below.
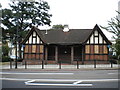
(74, 36)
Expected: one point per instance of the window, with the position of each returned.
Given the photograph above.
(101, 49)
(41, 48)
(87, 49)
(105, 49)
(96, 49)
(26, 48)
(33, 48)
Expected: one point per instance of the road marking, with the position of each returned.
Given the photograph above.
(65, 80)
(15, 79)
(42, 84)
(38, 73)
(77, 82)
(49, 84)
(113, 73)
(100, 80)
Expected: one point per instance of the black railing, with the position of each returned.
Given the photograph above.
(51, 58)
(60, 65)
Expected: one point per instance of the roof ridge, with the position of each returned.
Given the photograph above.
(61, 29)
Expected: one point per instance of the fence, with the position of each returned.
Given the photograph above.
(76, 65)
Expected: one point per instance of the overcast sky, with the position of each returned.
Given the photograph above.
(80, 14)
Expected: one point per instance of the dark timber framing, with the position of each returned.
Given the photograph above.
(37, 46)
(72, 54)
(56, 53)
(46, 54)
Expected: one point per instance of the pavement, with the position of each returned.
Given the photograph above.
(54, 67)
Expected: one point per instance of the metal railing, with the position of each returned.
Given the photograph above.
(76, 65)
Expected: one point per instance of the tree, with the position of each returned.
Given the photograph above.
(58, 27)
(21, 15)
(114, 27)
(117, 48)
(0, 22)
(5, 51)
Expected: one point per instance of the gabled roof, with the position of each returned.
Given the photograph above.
(30, 32)
(102, 34)
(73, 36)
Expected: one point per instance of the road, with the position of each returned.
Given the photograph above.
(60, 79)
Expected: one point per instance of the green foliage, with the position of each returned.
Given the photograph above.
(58, 27)
(6, 59)
(0, 53)
(5, 50)
(0, 22)
(114, 61)
(117, 47)
(114, 27)
(20, 16)
(23, 14)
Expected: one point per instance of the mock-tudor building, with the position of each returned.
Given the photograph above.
(68, 45)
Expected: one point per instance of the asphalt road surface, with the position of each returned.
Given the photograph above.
(60, 79)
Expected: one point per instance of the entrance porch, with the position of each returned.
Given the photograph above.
(63, 53)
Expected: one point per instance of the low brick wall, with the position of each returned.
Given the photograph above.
(38, 62)
(91, 62)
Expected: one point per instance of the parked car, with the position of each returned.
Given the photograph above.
(13, 57)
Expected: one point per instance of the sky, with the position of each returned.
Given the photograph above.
(80, 14)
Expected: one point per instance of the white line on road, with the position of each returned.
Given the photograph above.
(113, 73)
(77, 82)
(69, 80)
(49, 84)
(58, 84)
(15, 79)
(38, 73)
(100, 80)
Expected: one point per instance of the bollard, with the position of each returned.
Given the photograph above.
(25, 65)
(10, 64)
(82, 62)
(94, 63)
(60, 65)
(42, 64)
(77, 64)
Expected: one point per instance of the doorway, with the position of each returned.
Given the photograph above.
(64, 54)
